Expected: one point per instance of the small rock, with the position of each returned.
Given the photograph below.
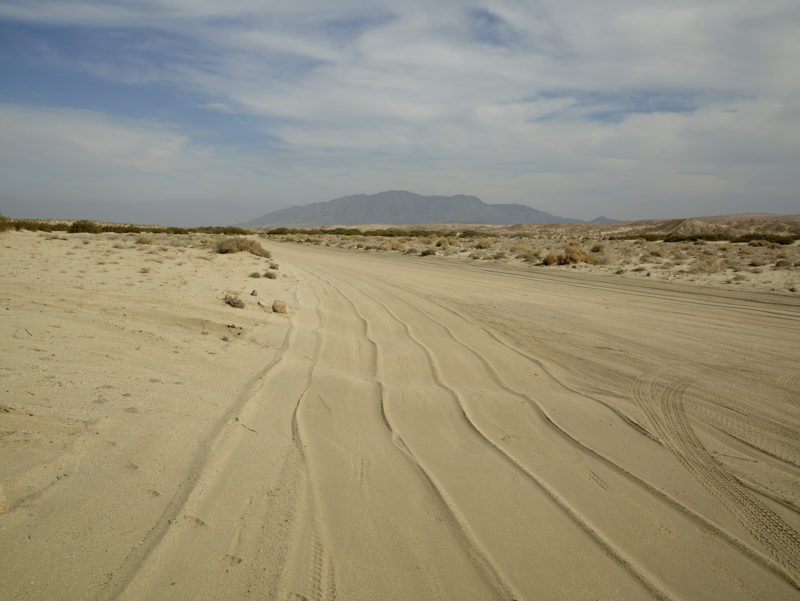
(254, 293)
(280, 306)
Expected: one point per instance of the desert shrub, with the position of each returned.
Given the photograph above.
(145, 239)
(427, 252)
(550, 259)
(607, 257)
(599, 248)
(757, 262)
(84, 226)
(235, 245)
(705, 266)
(255, 274)
(234, 301)
(270, 275)
(483, 244)
(573, 255)
(499, 255)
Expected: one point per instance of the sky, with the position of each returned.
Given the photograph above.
(195, 112)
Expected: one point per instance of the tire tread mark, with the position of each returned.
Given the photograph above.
(125, 573)
(659, 592)
(663, 405)
(762, 560)
(472, 549)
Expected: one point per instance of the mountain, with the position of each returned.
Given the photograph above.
(400, 207)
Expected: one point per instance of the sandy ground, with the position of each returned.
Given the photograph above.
(411, 430)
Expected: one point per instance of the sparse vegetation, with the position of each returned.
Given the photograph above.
(234, 301)
(235, 245)
(573, 255)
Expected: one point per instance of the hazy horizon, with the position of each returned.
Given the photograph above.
(191, 113)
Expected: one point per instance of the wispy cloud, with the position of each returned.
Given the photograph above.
(629, 108)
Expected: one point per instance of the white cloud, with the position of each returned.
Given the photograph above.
(621, 104)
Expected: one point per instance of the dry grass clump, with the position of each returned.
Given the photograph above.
(550, 259)
(525, 252)
(573, 255)
(255, 274)
(235, 245)
(707, 265)
(234, 301)
(270, 275)
(145, 239)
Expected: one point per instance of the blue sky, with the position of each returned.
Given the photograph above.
(199, 111)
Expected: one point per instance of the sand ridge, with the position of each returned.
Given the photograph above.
(409, 430)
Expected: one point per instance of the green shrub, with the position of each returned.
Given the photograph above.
(84, 226)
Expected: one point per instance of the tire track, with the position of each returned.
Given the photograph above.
(539, 410)
(320, 583)
(136, 558)
(642, 290)
(664, 409)
(490, 573)
(658, 591)
(756, 556)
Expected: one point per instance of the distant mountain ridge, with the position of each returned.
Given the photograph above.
(402, 207)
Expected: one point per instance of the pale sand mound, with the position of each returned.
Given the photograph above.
(412, 430)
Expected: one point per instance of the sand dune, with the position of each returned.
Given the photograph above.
(411, 430)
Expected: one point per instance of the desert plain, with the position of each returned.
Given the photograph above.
(416, 428)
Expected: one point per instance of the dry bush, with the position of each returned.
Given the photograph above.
(145, 239)
(234, 301)
(607, 257)
(270, 275)
(525, 252)
(573, 255)
(255, 274)
(235, 245)
(483, 244)
(706, 266)
(550, 259)
(427, 252)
